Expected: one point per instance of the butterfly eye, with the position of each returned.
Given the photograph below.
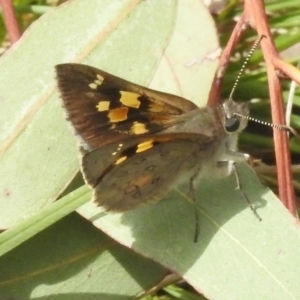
(232, 124)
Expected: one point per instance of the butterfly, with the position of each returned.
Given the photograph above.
(136, 143)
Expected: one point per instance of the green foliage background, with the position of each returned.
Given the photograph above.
(257, 140)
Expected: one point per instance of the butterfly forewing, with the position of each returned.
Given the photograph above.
(104, 108)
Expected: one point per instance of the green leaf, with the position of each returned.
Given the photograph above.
(73, 260)
(24, 230)
(237, 256)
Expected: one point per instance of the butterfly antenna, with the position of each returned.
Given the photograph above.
(276, 126)
(244, 65)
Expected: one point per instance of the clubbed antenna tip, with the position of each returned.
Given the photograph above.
(276, 126)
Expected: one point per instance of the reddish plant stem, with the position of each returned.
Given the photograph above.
(289, 70)
(256, 15)
(236, 35)
(10, 20)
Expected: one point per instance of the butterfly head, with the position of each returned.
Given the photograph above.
(232, 122)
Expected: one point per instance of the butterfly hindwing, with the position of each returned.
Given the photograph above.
(104, 108)
(139, 170)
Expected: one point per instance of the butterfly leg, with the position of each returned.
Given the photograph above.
(232, 169)
(192, 195)
(239, 187)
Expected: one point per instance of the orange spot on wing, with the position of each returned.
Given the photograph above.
(103, 105)
(120, 160)
(138, 128)
(118, 114)
(130, 99)
(144, 146)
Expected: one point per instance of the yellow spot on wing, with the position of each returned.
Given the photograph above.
(96, 82)
(120, 160)
(100, 79)
(103, 105)
(93, 86)
(118, 149)
(118, 114)
(144, 146)
(130, 99)
(138, 128)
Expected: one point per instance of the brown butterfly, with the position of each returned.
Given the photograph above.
(138, 143)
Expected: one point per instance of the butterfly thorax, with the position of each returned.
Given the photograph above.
(205, 121)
